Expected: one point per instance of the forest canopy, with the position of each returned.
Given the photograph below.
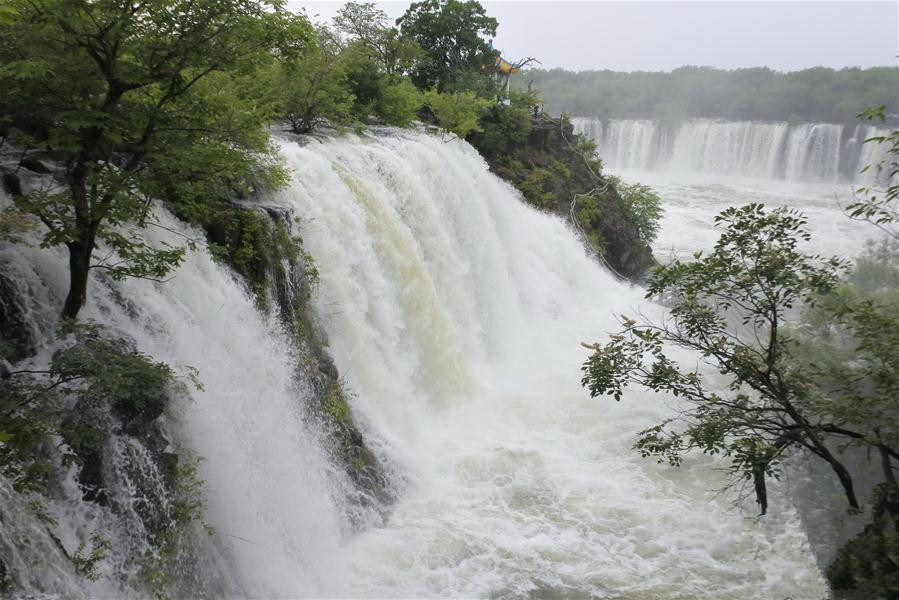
(816, 94)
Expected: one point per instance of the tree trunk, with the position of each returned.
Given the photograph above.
(79, 267)
(820, 448)
(844, 477)
(891, 493)
(761, 491)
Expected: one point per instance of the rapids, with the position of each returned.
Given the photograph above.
(454, 313)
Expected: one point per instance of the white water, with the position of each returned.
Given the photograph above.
(809, 152)
(454, 313)
(273, 498)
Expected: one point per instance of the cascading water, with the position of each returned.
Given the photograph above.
(454, 313)
(740, 148)
(631, 144)
(810, 152)
(867, 155)
(813, 152)
(274, 498)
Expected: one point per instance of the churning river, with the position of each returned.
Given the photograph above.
(454, 313)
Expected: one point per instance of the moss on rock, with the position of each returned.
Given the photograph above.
(557, 171)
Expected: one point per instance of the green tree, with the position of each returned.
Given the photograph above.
(850, 343)
(399, 101)
(100, 372)
(451, 33)
(366, 24)
(138, 101)
(643, 207)
(315, 88)
(457, 113)
(730, 307)
(504, 128)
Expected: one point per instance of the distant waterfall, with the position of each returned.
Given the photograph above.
(632, 144)
(740, 148)
(804, 152)
(867, 154)
(813, 152)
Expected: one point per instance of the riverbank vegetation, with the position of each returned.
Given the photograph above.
(760, 93)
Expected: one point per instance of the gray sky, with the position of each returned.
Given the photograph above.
(653, 36)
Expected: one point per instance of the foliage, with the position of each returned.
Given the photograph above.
(255, 245)
(850, 347)
(760, 93)
(730, 307)
(456, 112)
(451, 33)
(504, 128)
(366, 24)
(14, 223)
(138, 101)
(590, 217)
(86, 564)
(869, 563)
(399, 101)
(643, 207)
(92, 369)
(354, 76)
(877, 268)
(315, 88)
(539, 186)
(587, 149)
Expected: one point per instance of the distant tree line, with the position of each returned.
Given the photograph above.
(816, 94)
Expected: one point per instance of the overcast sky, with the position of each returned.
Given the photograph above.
(653, 36)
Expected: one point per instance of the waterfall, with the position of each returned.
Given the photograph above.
(813, 152)
(454, 313)
(625, 144)
(273, 497)
(868, 155)
(737, 148)
(434, 272)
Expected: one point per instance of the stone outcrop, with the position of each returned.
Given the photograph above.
(554, 174)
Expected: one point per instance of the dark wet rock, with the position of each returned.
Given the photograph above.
(5, 579)
(12, 185)
(34, 165)
(15, 334)
(551, 148)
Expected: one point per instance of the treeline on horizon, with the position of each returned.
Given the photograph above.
(760, 93)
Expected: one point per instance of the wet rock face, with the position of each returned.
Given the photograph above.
(12, 185)
(290, 285)
(112, 448)
(15, 334)
(551, 148)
